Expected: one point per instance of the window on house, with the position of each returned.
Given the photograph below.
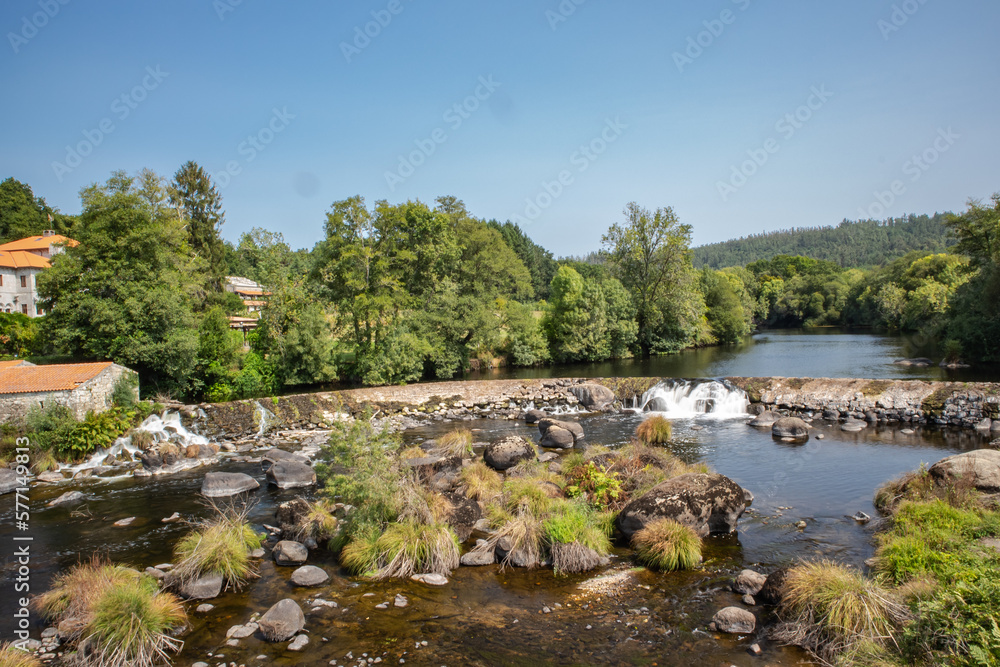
(1, 280)
(24, 308)
(24, 281)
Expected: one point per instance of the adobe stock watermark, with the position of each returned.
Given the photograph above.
(581, 159)
(918, 165)
(714, 28)
(121, 108)
(786, 126)
(254, 145)
(900, 16)
(31, 24)
(454, 116)
(21, 559)
(223, 7)
(363, 35)
(562, 12)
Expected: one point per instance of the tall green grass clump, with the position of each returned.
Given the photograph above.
(577, 538)
(654, 430)
(219, 546)
(131, 623)
(74, 592)
(835, 611)
(665, 544)
(481, 482)
(402, 550)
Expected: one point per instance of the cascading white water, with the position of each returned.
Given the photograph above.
(688, 398)
(263, 417)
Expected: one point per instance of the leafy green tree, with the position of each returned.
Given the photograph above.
(978, 231)
(539, 262)
(218, 348)
(23, 214)
(588, 319)
(18, 335)
(725, 310)
(127, 292)
(649, 253)
(310, 350)
(199, 204)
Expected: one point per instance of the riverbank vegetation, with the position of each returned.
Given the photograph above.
(402, 292)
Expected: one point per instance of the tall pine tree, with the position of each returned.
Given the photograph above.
(199, 204)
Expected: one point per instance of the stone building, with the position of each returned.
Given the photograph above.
(20, 262)
(80, 387)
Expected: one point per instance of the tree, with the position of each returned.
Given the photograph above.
(126, 292)
(650, 255)
(23, 214)
(978, 231)
(199, 204)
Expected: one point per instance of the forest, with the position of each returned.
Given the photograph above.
(400, 292)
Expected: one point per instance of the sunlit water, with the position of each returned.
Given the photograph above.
(488, 617)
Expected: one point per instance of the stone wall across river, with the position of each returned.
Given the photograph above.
(909, 401)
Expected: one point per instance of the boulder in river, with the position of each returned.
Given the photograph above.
(764, 419)
(276, 455)
(749, 582)
(8, 481)
(310, 575)
(224, 484)
(558, 438)
(853, 425)
(735, 620)
(790, 427)
(709, 503)
(291, 475)
(534, 416)
(67, 498)
(573, 427)
(592, 396)
(282, 621)
(773, 590)
(916, 362)
(979, 468)
(203, 588)
(290, 514)
(507, 453)
(289, 552)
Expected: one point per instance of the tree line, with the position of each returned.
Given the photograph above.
(401, 292)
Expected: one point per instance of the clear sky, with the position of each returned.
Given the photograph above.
(742, 115)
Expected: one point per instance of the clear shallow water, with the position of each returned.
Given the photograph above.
(487, 617)
(818, 352)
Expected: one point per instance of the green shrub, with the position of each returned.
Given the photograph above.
(667, 545)
(123, 392)
(220, 392)
(598, 486)
(96, 431)
(402, 550)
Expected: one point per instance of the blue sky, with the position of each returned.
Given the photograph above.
(742, 115)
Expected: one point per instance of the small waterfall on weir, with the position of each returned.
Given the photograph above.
(263, 417)
(687, 398)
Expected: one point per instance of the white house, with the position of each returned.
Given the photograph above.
(20, 262)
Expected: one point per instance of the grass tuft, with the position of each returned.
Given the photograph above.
(654, 430)
(577, 536)
(74, 592)
(481, 482)
(402, 550)
(319, 523)
(130, 625)
(414, 452)
(218, 546)
(15, 657)
(455, 443)
(667, 545)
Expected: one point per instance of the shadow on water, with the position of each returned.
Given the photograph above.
(617, 615)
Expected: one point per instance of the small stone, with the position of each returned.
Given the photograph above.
(820, 436)
(907, 431)
(121, 523)
(309, 575)
(735, 620)
(384, 605)
(755, 649)
(801, 525)
(204, 608)
(861, 517)
(241, 631)
(173, 517)
(400, 601)
(748, 600)
(431, 579)
(298, 643)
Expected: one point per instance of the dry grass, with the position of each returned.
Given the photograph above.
(920, 486)
(573, 558)
(14, 657)
(142, 439)
(413, 452)
(667, 545)
(318, 523)
(835, 611)
(654, 430)
(917, 589)
(526, 538)
(481, 482)
(455, 443)
(74, 593)
(44, 461)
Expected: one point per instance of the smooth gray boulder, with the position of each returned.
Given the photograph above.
(224, 484)
(735, 620)
(287, 552)
(790, 427)
(8, 481)
(66, 498)
(282, 621)
(534, 416)
(749, 582)
(478, 558)
(558, 438)
(593, 396)
(573, 427)
(291, 475)
(853, 425)
(310, 575)
(979, 468)
(203, 588)
(709, 503)
(507, 453)
(276, 455)
(766, 418)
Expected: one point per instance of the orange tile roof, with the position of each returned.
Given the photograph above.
(58, 377)
(21, 259)
(14, 363)
(38, 242)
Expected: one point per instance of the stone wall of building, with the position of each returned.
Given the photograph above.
(94, 394)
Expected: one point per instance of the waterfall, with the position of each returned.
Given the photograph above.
(687, 398)
(263, 417)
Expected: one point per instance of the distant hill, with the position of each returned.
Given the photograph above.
(851, 243)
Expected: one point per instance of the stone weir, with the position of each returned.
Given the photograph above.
(912, 401)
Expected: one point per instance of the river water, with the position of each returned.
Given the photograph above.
(831, 352)
(620, 614)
